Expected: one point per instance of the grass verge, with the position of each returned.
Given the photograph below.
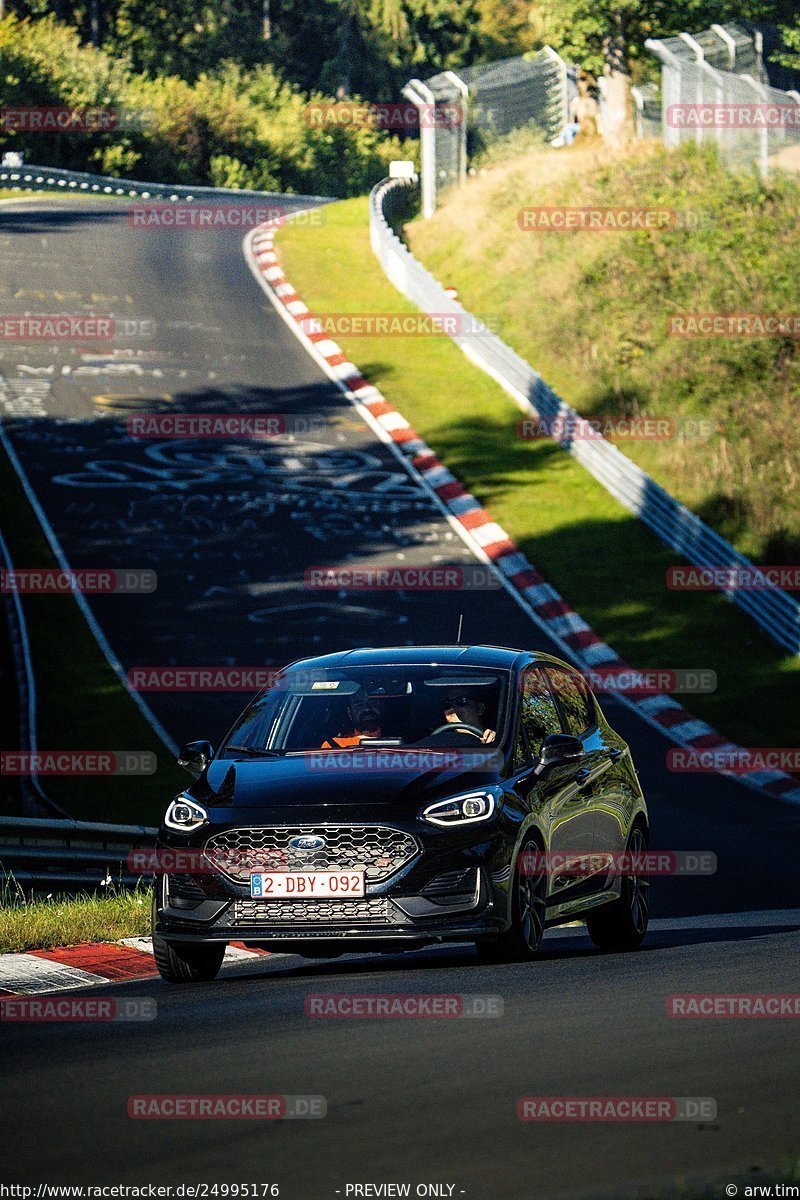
(68, 921)
(81, 705)
(603, 560)
(593, 312)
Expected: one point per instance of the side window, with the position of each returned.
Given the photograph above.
(574, 699)
(538, 717)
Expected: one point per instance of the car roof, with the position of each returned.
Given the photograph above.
(504, 657)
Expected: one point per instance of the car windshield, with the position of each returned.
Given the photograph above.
(368, 708)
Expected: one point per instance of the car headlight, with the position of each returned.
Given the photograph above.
(462, 810)
(184, 815)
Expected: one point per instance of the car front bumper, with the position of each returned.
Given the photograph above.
(394, 916)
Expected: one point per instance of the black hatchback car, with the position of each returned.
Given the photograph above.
(388, 799)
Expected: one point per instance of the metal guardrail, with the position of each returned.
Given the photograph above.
(36, 178)
(37, 853)
(40, 854)
(777, 613)
(35, 801)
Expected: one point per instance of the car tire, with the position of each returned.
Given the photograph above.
(522, 940)
(182, 963)
(622, 924)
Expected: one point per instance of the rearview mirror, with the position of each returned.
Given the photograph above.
(560, 748)
(195, 757)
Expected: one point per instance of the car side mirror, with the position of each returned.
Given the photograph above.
(195, 757)
(560, 748)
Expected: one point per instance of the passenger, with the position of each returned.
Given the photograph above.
(365, 717)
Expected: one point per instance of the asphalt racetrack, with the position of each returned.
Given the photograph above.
(230, 528)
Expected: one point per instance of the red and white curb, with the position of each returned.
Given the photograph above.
(476, 527)
(67, 968)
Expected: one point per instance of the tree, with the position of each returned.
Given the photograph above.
(790, 35)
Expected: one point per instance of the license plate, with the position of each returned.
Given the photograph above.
(306, 885)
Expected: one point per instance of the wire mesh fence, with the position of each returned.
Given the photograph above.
(647, 110)
(724, 47)
(480, 104)
(748, 121)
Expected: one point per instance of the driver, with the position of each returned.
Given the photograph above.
(364, 715)
(461, 708)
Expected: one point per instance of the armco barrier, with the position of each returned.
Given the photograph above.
(68, 855)
(34, 800)
(489, 542)
(774, 610)
(37, 179)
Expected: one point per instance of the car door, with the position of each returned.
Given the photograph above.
(598, 774)
(561, 801)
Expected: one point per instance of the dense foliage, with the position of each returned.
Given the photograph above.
(220, 89)
(231, 127)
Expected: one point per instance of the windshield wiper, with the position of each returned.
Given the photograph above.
(254, 752)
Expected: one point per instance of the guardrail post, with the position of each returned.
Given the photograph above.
(763, 134)
(671, 88)
(422, 96)
(459, 83)
(563, 98)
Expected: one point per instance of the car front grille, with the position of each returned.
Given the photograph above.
(377, 850)
(312, 912)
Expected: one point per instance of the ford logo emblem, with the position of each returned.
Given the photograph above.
(308, 842)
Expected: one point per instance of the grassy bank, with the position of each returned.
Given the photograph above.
(64, 921)
(604, 561)
(592, 310)
(81, 705)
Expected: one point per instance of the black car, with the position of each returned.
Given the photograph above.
(388, 799)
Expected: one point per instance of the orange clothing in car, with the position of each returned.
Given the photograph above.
(345, 741)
